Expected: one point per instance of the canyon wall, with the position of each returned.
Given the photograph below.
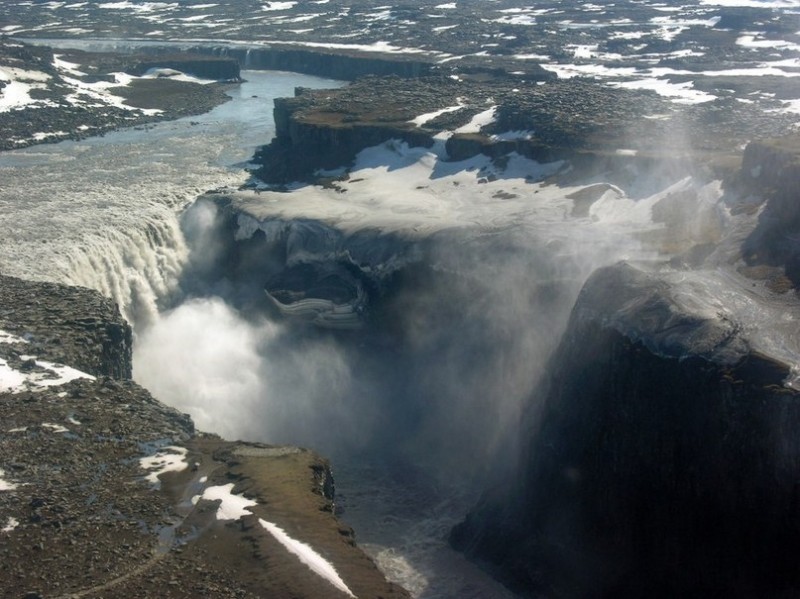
(661, 459)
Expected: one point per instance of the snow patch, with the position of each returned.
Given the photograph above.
(167, 459)
(175, 75)
(270, 6)
(381, 46)
(233, 507)
(11, 524)
(318, 564)
(56, 428)
(480, 120)
(9, 338)
(512, 136)
(4, 484)
(429, 116)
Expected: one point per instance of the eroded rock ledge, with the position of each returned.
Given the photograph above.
(495, 115)
(662, 458)
(104, 491)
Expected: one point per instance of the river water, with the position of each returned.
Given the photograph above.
(102, 212)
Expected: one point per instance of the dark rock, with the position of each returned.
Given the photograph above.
(335, 65)
(771, 171)
(203, 66)
(69, 324)
(80, 516)
(662, 461)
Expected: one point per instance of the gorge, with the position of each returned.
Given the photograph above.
(597, 326)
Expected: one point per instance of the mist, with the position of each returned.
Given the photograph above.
(461, 320)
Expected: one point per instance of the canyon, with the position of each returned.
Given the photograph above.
(544, 321)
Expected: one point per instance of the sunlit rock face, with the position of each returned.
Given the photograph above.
(663, 460)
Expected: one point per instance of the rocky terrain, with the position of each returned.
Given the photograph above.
(658, 454)
(51, 96)
(112, 494)
(325, 129)
(694, 51)
(662, 461)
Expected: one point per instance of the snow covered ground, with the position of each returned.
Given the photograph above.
(33, 373)
(669, 49)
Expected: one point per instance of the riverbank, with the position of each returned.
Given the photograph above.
(49, 96)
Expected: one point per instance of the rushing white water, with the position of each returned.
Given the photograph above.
(103, 213)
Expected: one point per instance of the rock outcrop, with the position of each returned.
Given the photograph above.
(106, 492)
(60, 108)
(771, 170)
(662, 459)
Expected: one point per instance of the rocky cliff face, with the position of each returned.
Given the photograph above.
(662, 460)
(68, 324)
(325, 129)
(771, 170)
(205, 67)
(104, 491)
(336, 65)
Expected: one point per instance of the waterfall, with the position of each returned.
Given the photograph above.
(136, 267)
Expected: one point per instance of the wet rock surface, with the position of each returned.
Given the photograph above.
(771, 170)
(101, 485)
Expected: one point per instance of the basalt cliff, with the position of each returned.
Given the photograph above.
(661, 454)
